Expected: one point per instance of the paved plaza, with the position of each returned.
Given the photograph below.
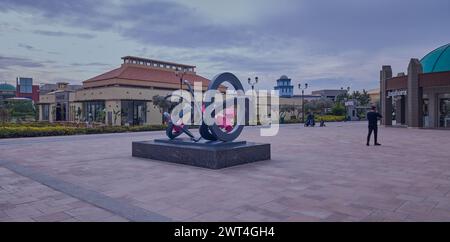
(316, 174)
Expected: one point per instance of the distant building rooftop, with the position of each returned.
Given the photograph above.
(157, 63)
(136, 71)
(19, 99)
(437, 60)
(7, 87)
(374, 91)
(47, 88)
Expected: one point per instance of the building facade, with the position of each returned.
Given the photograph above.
(329, 93)
(284, 87)
(26, 89)
(420, 98)
(122, 96)
(7, 91)
(374, 96)
(50, 87)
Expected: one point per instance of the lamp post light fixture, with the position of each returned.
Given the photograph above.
(348, 89)
(345, 103)
(347, 93)
(303, 99)
(252, 83)
(180, 73)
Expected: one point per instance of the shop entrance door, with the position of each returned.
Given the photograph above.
(444, 112)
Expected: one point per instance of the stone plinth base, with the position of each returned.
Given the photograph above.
(213, 155)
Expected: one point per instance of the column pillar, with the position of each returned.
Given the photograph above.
(433, 109)
(403, 110)
(386, 102)
(113, 115)
(40, 112)
(398, 110)
(414, 96)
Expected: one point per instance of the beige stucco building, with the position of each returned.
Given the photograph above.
(374, 96)
(122, 96)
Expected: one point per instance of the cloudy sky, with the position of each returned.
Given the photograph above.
(328, 44)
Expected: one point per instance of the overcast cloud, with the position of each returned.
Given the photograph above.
(326, 43)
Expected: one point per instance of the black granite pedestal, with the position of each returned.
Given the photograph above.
(208, 154)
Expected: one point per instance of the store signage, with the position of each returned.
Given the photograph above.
(349, 103)
(397, 93)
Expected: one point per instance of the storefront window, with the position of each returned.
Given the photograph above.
(25, 85)
(45, 112)
(444, 112)
(134, 112)
(61, 112)
(94, 111)
(426, 116)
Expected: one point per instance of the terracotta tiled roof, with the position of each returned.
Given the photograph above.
(142, 73)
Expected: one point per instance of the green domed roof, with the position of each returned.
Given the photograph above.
(437, 60)
(7, 87)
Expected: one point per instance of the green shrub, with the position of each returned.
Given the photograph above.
(291, 121)
(330, 118)
(318, 118)
(338, 109)
(39, 129)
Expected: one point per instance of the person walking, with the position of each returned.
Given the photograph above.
(372, 117)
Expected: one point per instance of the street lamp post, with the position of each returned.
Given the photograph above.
(348, 89)
(303, 99)
(345, 102)
(180, 73)
(252, 83)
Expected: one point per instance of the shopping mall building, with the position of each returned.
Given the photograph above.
(421, 97)
(122, 96)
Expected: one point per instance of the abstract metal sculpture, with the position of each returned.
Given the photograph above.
(222, 121)
(223, 130)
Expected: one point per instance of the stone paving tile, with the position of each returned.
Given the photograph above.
(351, 210)
(302, 218)
(385, 216)
(337, 217)
(22, 210)
(219, 215)
(31, 201)
(89, 213)
(316, 174)
(249, 216)
(53, 217)
(179, 214)
(423, 206)
(113, 218)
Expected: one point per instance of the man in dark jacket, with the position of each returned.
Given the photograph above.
(372, 117)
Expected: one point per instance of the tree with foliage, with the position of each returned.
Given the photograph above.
(362, 98)
(21, 109)
(53, 112)
(5, 112)
(290, 108)
(117, 113)
(36, 111)
(338, 109)
(78, 114)
(163, 104)
(101, 115)
(319, 105)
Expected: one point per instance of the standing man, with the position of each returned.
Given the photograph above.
(372, 117)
